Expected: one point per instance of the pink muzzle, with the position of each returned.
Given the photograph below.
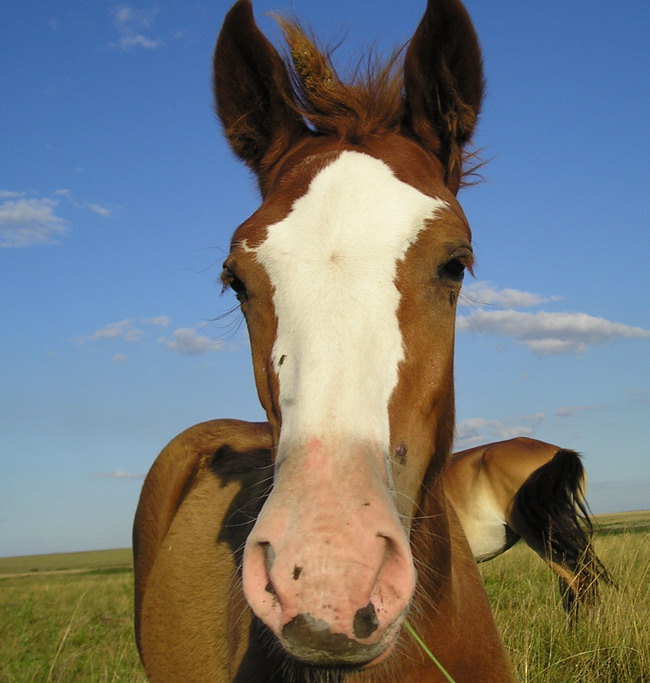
(328, 566)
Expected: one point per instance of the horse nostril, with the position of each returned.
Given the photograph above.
(365, 621)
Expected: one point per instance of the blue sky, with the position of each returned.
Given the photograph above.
(118, 196)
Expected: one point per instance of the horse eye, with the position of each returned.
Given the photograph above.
(454, 270)
(229, 279)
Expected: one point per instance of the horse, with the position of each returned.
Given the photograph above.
(305, 566)
(527, 489)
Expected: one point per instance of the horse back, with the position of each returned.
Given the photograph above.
(508, 464)
(482, 482)
(197, 506)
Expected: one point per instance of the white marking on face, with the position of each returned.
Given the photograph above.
(333, 263)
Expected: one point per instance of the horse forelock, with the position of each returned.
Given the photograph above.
(369, 104)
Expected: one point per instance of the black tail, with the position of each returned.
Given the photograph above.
(550, 513)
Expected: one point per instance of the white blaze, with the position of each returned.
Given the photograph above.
(333, 263)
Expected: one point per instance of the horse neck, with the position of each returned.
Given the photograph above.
(431, 544)
(450, 610)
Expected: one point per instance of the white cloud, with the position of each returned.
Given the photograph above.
(534, 419)
(478, 430)
(159, 321)
(98, 209)
(183, 340)
(190, 343)
(572, 411)
(550, 333)
(138, 40)
(129, 329)
(131, 24)
(28, 221)
(485, 293)
(119, 474)
(124, 329)
(90, 206)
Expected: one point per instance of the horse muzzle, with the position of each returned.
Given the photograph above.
(328, 566)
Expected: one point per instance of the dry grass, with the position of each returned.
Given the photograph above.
(610, 645)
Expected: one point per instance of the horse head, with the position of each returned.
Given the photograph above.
(348, 276)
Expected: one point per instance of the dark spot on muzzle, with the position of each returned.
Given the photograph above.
(365, 621)
(310, 640)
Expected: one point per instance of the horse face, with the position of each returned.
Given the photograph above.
(349, 294)
(348, 276)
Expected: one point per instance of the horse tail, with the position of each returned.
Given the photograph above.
(551, 514)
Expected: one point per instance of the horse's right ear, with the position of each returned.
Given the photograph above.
(443, 83)
(253, 91)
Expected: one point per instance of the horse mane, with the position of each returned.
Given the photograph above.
(370, 104)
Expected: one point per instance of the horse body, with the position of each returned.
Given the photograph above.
(190, 620)
(199, 503)
(205, 491)
(482, 483)
(529, 489)
(358, 248)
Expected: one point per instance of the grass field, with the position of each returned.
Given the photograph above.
(613, 645)
(68, 617)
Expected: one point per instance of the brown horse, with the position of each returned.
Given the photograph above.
(524, 488)
(304, 565)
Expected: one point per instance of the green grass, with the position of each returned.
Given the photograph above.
(68, 626)
(98, 559)
(68, 617)
(611, 645)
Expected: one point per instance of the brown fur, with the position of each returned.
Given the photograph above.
(371, 105)
(204, 492)
(197, 505)
(538, 491)
(368, 106)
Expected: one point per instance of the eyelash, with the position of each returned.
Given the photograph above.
(229, 279)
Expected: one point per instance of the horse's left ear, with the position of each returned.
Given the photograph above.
(253, 92)
(443, 82)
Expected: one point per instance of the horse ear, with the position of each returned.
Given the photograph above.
(443, 84)
(253, 91)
